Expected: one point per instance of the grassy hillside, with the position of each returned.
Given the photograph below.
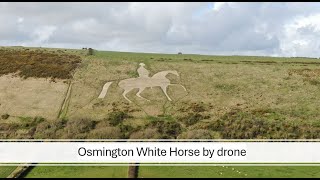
(229, 172)
(49, 93)
(33, 87)
(6, 170)
(264, 97)
(77, 172)
(227, 97)
(178, 172)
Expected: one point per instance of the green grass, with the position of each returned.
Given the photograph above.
(229, 172)
(149, 57)
(172, 171)
(287, 87)
(281, 87)
(268, 88)
(78, 172)
(6, 170)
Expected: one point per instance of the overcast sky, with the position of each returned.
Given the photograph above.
(272, 29)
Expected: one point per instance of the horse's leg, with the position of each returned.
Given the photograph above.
(164, 89)
(140, 91)
(180, 85)
(124, 94)
(183, 87)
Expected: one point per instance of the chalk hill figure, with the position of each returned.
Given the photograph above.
(142, 82)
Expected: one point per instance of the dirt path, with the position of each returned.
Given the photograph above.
(65, 104)
(133, 171)
(20, 171)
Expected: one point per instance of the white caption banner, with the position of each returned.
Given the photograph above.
(160, 152)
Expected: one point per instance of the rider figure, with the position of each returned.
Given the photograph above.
(143, 72)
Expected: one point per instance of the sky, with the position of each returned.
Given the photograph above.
(216, 28)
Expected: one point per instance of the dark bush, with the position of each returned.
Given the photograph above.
(196, 134)
(90, 51)
(195, 107)
(37, 120)
(78, 126)
(44, 130)
(148, 133)
(8, 126)
(28, 122)
(168, 129)
(61, 123)
(105, 133)
(117, 117)
(38, 63)
(126, 130)
(5, 116)
(237, 124)
(191, 118)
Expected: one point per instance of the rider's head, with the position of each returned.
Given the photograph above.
(142, 64)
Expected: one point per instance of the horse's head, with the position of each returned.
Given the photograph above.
(163, 74)
(175, 73)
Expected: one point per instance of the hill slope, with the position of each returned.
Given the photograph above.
(226, 97)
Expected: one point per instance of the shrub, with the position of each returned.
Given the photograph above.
(117, 117)
(168, 129)
(48, 130)
(148, 133)
(38, 63)
(78, 126)
(106, 133)
(61, 123)
(8, 126)
(37, 120)
(5, 116)
(196, 134)
(192, 118)
(28, 122)
(126, 130)
(90, 51)
(251, 125)
(195, 107)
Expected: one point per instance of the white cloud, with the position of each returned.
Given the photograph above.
(20, 20)
(229, 28)
(43, 33)
(219, 5)
(301, 36)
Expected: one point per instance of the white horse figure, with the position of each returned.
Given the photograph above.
(159, 79)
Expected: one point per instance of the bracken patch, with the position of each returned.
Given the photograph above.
(38, 63)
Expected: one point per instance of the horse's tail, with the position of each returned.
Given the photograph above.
(105, 90)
